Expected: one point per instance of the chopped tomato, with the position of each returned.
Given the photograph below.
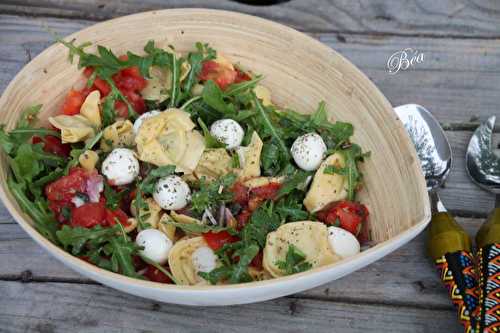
(88, 215)
(155, 275)
(88, 71)
(57, 207)
(222, 76)
(117, 215)
(73, 102)
(66, 187)
(216, 240)
(102, 86)
(255, 203)
(121, 109)
(136, 100)
(257, 260)
(266, 192)
(241, 76)
(348, 215)
(129, 83)
(53, 145)
(240, 192)
(243, 218)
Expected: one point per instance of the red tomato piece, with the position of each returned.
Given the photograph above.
(102, 86)
(73, 102)
(255, 203)
(216, 240)
(348, 215)
(117, 215)
(88, 71)
(241, 194)
(136, 100)
(53, 145)
(241, 76)
(88, 215)
(257, 260)
(243, 218)
(222, 76)
(65, 187)
(266, 192)
(121, 109)
(57, 207)
(155, 275)
(130, 83)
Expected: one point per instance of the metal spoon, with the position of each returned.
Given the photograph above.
(483, 166)
(449, 245)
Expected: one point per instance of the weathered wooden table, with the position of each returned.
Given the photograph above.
(459, 81)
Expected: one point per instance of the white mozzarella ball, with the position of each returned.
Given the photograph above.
(228, 132)
(120, 167)
(138, 122)
(172, 193)
(342, 242)
(156, 245)
(308, 151)
(204, 259)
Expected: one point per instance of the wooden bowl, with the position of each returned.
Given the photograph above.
(300, 72)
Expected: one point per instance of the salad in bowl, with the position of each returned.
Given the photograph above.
(179, 168)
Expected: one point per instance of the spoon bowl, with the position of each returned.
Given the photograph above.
(433, 148)
(483, 165)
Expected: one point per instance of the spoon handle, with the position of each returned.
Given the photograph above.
(488, 256)
(450, 247)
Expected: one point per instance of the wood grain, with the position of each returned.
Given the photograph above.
(62, 307)
(458, 80)
(405, 277)
(444, 18)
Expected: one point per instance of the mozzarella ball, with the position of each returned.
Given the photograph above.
(138, 122)
(156, 245)
(228, 132)
(308, 151)
(120, 167)
(342, 242)
(172, 193)
(204, 259)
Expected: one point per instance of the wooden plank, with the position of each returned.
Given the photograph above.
(90, 308)
(413, 17)
(405, 277)
(457, 80)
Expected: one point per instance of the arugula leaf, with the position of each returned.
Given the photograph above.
(353, 176)
(121, 250)
(210, 140)
(114, 198)
(238, 88)
(197, 228)
(214, 97)
(44, 221)
(239, 272)
(196, 59)
(212, 194)
(295, 261)
(147, 187)
(263, 221)
(74, 238)
(293, 182)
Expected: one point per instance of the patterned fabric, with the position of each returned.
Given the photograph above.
(489, 289)
(459, 276)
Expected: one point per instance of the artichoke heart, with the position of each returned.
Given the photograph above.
(118, 134)
(73, 128)
(250, 158)
(90, 108)
(213, 164)
(181, 263)
(308, 236)
(170, 138)
(326, 188)
(159, 85)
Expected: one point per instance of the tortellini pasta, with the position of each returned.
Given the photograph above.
(180, 261)
(158, 87)
(73, 128)
(169, 139)
(90, 108)
(326, 188)
(118, 134)
(213, 164)
(309, 237)
(88, 159)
